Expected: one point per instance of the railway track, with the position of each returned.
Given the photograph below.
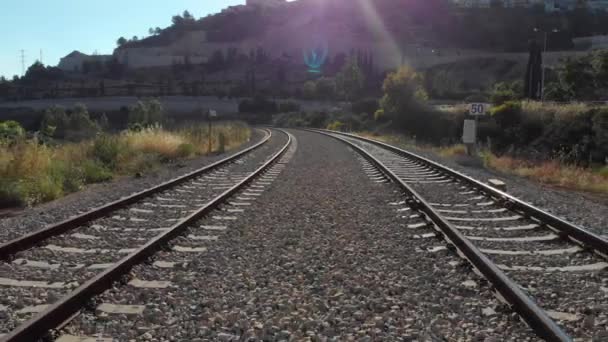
(553, 273)
(49, 275)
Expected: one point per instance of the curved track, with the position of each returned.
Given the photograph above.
(523, 251)
(47, 268)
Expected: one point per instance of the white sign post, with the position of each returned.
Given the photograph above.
(211, 114)
(469, 132)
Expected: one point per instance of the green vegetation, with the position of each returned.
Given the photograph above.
(551, 172)
(73, 125)
(33, 172)
(580, 79)
(145, 114)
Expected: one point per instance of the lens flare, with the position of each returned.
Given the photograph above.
(316, 55)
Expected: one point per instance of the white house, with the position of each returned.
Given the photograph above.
(74, 60)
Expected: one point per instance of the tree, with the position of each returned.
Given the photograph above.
(309, 90)
(151, 31)
(158, 30)
(217, 60)
(402, 92)
(11, 130)
(326, 88)
(350, 80)
(600, 68)
(121, 41)
(134, 39)
(504, 91)
(177, 20)
(576, 75)
(146, 113)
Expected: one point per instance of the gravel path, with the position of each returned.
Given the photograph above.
(326, 253)
(589, 211)
(32, 219)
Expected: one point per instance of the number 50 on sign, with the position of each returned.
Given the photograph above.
(478, 109)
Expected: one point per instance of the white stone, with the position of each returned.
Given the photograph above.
(149, 284)
(121, 309)
(28, 283)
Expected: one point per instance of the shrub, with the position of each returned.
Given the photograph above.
(503, 92)
(335, 126)
(600, 131)
(76, 126)
(11, 130)
(185, 150)
(94, 172)
(309, 90)
(146, 113)
(367, 106)
(379, 115)
(10, 194)
(258, 104)
(288, 106)
(106, 150)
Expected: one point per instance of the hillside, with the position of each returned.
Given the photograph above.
(393, 30)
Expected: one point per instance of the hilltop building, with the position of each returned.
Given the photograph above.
(550, 5)
(73, 61)
(265, 3)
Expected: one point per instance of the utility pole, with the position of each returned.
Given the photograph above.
(544, 62)
(41, 57)
(22, 62)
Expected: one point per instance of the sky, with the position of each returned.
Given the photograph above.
(59, 27)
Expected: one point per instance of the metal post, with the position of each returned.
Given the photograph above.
(209, 144)
(542, 82)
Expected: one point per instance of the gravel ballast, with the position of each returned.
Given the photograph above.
(588, 211)
(65, 261)
(93, 196)
(529, 252)
(325, 253)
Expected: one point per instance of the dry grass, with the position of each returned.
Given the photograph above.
(32, 173)
(406, 142)
(561, 111)
(551, 172)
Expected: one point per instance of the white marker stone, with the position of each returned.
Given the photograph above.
(149, 284)
(36, 264)
(164, 264)
(28, 283)
(184, 249)
(32, 309)
(85, 236)
(218, 228)
(73, 338)
(142, 211)
(563, 316)
(203, 237)
(100, 266)
(224, 218)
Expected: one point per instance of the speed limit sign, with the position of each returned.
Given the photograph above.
(478, 109)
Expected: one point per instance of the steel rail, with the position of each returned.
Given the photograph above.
(26, 241)
(571, 230)
(536, 318)
(38, 326)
